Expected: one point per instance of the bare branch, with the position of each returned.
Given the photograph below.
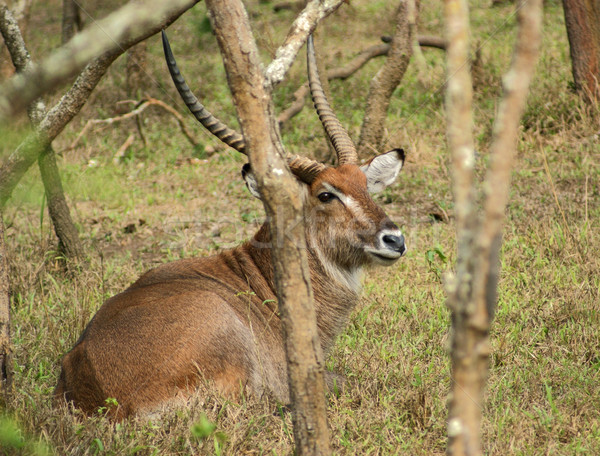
(136, 112)
(121, 151)
(115, 33)
(358, 62)
(9, 27)
(433, 41)
(348, 70)
(303, 26)
(20, 10)
(68, 238)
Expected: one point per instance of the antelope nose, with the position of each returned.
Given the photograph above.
(395, 243)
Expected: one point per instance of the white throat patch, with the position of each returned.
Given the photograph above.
(350, 280)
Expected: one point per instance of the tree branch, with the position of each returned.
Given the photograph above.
(69, 243)
(303, 26)
(115, 33)
(348, 70)
(149, 101)
(13, 168)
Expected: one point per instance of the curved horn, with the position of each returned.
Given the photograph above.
(302, 167)
(343, 145)
(230, 137)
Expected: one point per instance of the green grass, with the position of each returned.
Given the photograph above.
(542, 395)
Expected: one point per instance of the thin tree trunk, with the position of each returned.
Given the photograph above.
(136, 68)
(69, 243)
(385, 82)
(5, 342)
(71, 20)
(472, 291)
(582, 19)
(283, 204)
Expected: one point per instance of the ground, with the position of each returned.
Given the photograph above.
(167, 200)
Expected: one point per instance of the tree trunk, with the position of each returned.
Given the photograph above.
(137, 79)
(472, 291)
(69, 243)
(71, 20)
(68, 239)
(385, 82)
(20, 10)
(582, 19)
(283, 204)
(5, 342)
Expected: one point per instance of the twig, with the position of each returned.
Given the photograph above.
(424, 41)
(433, 41)
(121, 152)
(136, 112)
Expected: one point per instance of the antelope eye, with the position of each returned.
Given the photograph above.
(326, 197)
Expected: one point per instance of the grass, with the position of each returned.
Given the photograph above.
(542, 396)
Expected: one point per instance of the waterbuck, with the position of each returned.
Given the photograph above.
(215, 319)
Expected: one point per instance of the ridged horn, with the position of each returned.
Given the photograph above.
(304, 168)
(229, 136)
(343, 145)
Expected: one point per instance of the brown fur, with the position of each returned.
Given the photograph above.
(215, 319)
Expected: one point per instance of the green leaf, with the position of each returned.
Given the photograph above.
(203, 428)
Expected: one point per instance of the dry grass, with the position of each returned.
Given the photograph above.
(165, 201)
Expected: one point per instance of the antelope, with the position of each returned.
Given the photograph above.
(214, 320)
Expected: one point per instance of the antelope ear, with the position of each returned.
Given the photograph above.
(383, 169)
(251, 183)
